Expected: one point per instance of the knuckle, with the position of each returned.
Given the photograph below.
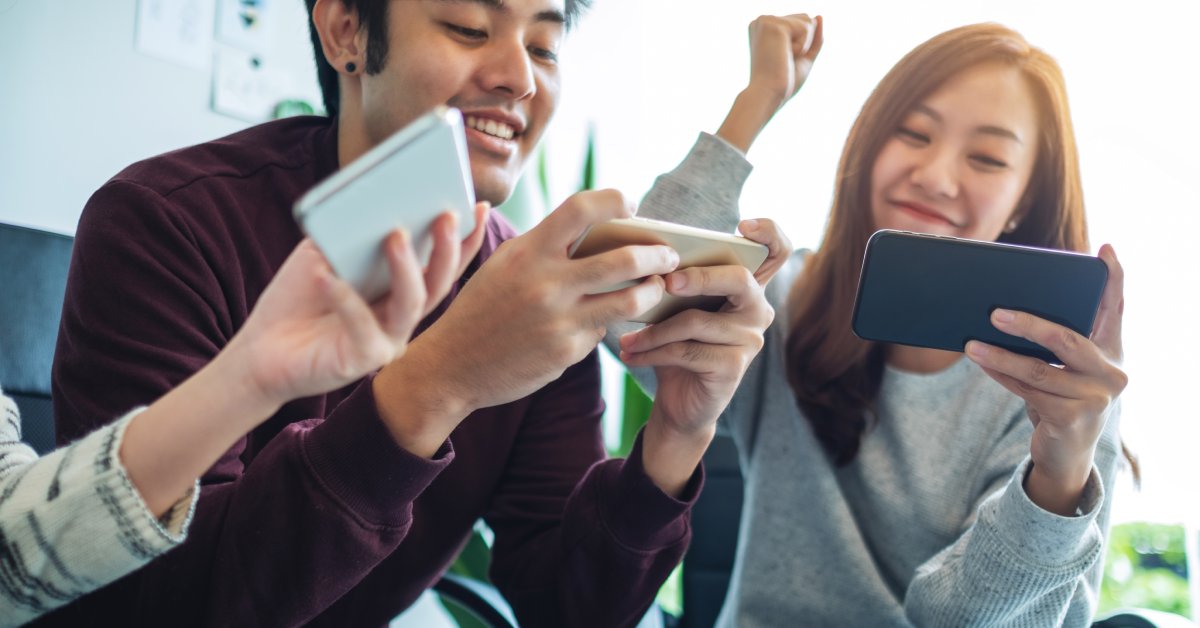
(746, 277)
(541, 295)
(1039, 371)
(1120, 379)
(595, 270)
(1068, 340)
(702, 277)
(630, 304)
(615, 199)
(628, 260)
(693, 352)
(715, 324)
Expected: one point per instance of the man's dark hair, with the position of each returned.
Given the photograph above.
(372, 16)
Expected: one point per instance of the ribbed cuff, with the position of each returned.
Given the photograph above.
(354, 456)
(703, 191)
(159, 533)
(1044, 538)
(639, 514)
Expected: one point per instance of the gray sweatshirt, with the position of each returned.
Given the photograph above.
(930, 525)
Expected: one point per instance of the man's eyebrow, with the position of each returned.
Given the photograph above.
(549, 15)
(987, 129)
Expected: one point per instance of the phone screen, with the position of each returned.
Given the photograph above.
(939, 292)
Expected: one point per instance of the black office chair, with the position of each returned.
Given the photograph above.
(716, 517)
(480, 599)
(34, 264)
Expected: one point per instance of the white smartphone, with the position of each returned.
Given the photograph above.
(407, 181)
(696, 247)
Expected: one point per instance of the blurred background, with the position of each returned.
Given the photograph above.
(91, 87)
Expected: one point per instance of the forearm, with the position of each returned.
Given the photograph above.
(179, 437)
(417, 402)
(750, 113)
(74, 523)
(670, 458)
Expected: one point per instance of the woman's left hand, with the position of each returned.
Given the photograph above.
(1068, 406)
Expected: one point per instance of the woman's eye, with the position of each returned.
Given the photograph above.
(544, 54)
(912, 136)
(990, 162)
(468, 33)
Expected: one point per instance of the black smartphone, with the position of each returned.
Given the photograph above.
(939, 292)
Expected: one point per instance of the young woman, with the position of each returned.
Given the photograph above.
(105, 505)
(892, 485)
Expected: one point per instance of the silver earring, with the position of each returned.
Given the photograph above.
(1011, 226)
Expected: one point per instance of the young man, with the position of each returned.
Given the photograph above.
(342, 508)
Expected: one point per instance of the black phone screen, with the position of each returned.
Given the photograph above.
(939, 292)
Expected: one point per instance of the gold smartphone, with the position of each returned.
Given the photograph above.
(696, 247)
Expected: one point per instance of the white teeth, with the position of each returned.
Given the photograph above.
(491, 127)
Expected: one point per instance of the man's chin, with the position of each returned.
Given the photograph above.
(494, 190)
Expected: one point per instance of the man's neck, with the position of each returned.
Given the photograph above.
(352, 139)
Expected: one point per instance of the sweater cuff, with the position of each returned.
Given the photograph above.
(638, 513)
(159, 533)
(703, 191)
(354, 457)
(715, 169)
(1042, 537)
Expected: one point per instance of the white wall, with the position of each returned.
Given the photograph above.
(78, 105)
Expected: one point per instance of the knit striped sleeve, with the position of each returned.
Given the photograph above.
(72, 522)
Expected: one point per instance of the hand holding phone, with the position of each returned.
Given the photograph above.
(406, 181)
(696, 248)
(940, 292)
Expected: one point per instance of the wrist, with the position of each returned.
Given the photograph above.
(670, 455)
(1056, 492)
(232, 372)
(417, 405)
(750, 113)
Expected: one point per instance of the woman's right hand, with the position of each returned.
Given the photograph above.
(310, 332)
(782, 52)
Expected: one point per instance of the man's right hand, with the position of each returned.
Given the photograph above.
(524, 318)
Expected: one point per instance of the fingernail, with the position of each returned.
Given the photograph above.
(977, 349)
(678, 282)
(1004, 316)
(750, 224)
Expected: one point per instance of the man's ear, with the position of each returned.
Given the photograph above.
(341, 39)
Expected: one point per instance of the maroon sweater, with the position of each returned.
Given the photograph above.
(317, 516)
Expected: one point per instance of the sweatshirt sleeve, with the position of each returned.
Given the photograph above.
(1017, 564)
(72, 522)
(279, 535)
(582, 552)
